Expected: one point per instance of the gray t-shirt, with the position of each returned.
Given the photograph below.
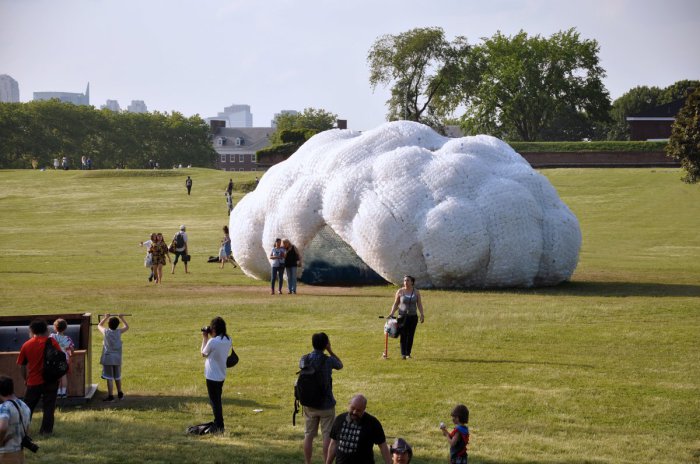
(112, 348)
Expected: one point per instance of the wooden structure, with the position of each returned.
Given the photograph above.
(14, 331)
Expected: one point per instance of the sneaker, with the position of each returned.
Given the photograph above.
(109, 399)
(120, 395)
(150, 279)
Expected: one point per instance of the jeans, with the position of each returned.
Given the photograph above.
(277, 272)
(292, 279)
(407, 333)
(48, 391)
(214, 388)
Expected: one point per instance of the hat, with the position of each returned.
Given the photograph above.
(182, 228)
(401, 446)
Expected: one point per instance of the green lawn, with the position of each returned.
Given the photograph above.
(603, 369)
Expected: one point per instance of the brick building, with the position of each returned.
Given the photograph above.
(236, 146)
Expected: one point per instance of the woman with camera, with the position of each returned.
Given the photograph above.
(14, 422)
(216, 345)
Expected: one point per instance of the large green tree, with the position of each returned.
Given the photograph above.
(684, 143)
(423, 69)
(515, 86)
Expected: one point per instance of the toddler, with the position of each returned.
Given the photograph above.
(66, 344)
(459, 436)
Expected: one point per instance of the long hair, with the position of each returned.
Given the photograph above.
(219, 325)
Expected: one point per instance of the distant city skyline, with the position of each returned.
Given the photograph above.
(280, 54)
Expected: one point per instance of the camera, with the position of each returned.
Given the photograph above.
(206, 330)
(28, 443)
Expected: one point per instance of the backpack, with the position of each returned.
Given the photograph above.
(310, 386)
(201, 429)
(179, 240)
(55, 363)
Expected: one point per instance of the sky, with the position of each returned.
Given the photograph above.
(199, 56)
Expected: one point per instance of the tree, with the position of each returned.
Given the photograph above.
(423, 69)
(516, 86)
(684, 143)
(311, 120)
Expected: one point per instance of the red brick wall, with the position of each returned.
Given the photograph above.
(599, 159)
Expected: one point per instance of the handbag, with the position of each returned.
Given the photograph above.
(171, 248)
(186, 258)
(232, 359)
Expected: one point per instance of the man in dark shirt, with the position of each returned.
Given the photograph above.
(324, 414)
(354, 434)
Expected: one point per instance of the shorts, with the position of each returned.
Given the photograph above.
(314, 417)
(111, 372)
(177, 256)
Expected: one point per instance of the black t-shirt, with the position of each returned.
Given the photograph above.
(291, 258)
(354, 441)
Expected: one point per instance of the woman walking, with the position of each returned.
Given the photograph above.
(225, 254)
(408, 302)
(216, 345)
(159, 252)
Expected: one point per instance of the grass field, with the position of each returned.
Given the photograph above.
(603, 369)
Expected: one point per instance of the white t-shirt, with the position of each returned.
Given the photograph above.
(184, 237)
(216, 351)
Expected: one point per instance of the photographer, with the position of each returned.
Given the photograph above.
(14, 421)
(216, 345)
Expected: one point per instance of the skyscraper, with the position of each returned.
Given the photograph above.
(66, 97)
(9, 89)
(137, 106)
(236, 116)
(112, 105)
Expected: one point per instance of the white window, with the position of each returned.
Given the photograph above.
(241, 158)
(241, 169)
(223, 158)
(233, 158)
(239, 141)
(253, 158)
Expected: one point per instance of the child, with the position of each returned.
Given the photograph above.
(459, 436)
(66, 344)
(111, 359)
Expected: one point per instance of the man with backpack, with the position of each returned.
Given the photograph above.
(179, 247)
(314, 390)
(188, 184)
(31, 362)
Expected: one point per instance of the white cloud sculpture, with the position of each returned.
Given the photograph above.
(467, 212)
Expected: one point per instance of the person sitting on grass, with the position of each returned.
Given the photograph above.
(111, 359)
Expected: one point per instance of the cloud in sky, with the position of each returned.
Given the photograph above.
(198, 57)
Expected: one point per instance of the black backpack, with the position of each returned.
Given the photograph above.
(309, 389)
(179, 240)
(55, 363)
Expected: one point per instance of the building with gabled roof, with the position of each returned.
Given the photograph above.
(236, 146)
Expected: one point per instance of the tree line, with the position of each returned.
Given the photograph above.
(37, 132)
(518, 88)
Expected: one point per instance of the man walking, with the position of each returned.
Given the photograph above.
(354, 434)
(31, 361)
(181, 248)
(188, 184)
(324, 413)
